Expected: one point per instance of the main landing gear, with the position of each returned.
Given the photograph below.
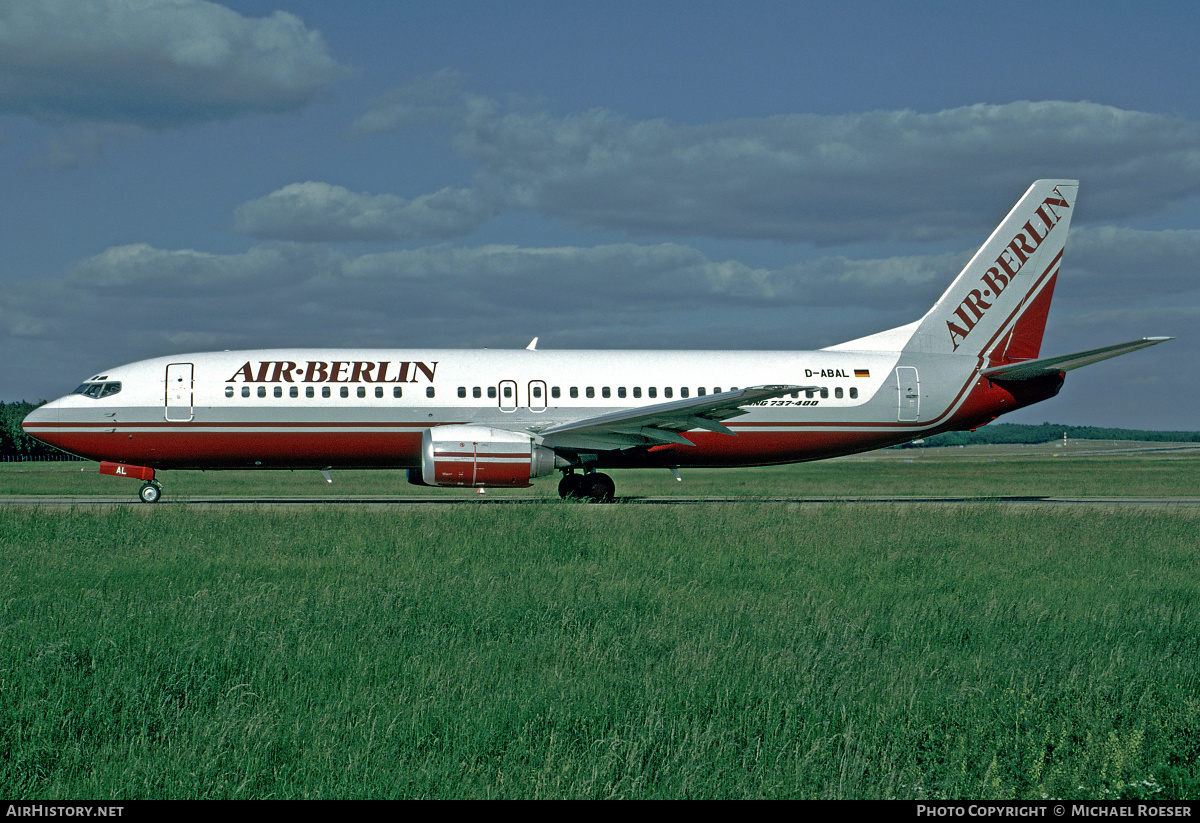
(591, 486)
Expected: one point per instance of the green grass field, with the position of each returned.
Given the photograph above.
(571, 650)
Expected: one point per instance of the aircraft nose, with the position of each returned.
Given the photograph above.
(39, 415)
(35, 422)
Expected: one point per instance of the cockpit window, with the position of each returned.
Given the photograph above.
(98, 390)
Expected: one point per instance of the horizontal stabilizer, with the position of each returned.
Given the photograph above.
(1030, 369)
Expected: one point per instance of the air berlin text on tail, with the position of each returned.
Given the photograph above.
(971, 310)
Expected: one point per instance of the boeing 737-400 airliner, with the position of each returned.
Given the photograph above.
(502, 418)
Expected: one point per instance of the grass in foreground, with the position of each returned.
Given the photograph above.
(584, 651)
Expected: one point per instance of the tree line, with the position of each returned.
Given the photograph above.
(15, 444)
(997, 433)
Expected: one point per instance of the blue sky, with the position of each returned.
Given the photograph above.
(182, 176)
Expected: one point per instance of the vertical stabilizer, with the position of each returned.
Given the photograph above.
(997, 305)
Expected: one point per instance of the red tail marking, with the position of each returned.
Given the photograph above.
(1024, 342)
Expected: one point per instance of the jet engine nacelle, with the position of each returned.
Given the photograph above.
(478, 456)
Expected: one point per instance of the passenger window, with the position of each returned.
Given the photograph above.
(379, 391)
(397, 391)
(429, 391)
(555, 393)
(838, 392)
(700, 392)
(668, 392)
(621, 391)
(309, 391)
(683, 392)
(462, 391)
(492, 392)
(637, 391)
(653, 391)
(854, 393)
(717, 390)
(344, 391)
(294, 391)
(606, 392)
(537, 392)
(824, 394)
(278, 391)
(325, 391)
(508, 392)
(362, 391)
(262, 391)
(590, 391)
(229, 391)
(809, 394)
(476, 392)
(574, 391)
(245, 391)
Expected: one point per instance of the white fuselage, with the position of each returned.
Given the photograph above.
(358, 408)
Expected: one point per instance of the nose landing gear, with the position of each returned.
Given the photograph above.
(150, 493)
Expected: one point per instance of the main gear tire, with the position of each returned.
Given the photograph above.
(597, 487)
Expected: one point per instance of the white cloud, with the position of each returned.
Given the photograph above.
(449, 296)
(826, 180)
(140, 270)
(314, 211)
(155, 63)
(432, 97)
(829, 180)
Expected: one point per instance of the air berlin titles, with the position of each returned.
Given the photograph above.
(971, 310)
(335, 371)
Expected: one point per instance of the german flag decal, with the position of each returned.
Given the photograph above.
(862, 372)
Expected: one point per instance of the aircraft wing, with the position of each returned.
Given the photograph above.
(1030, 369)
(660, 423)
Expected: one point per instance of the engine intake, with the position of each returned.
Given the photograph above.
(478, 456)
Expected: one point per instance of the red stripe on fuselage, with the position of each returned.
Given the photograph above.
(228, 450)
